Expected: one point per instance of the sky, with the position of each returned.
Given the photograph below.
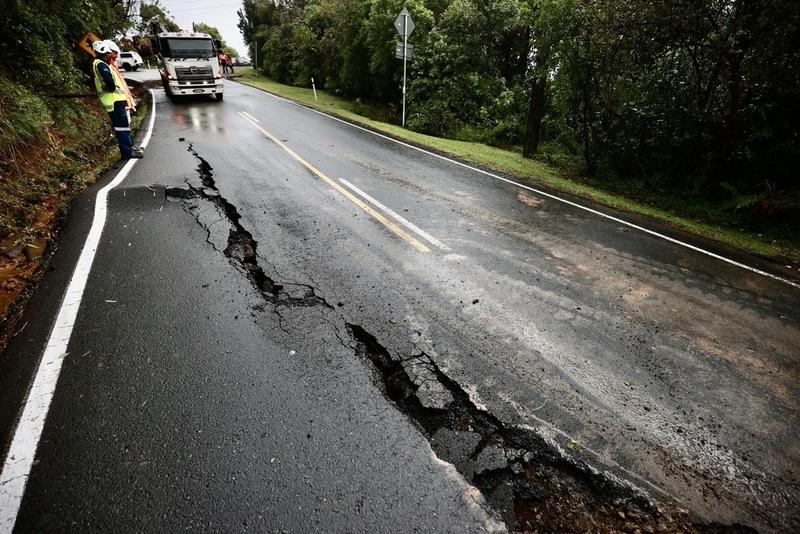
(218, 13)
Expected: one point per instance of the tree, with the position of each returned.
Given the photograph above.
(698, 97)
(541, 56)
(217, 36)
(33, 32)
(345, 54)
(465, 82)
(154, 9)
(256, 17)
(210, 30)
(380, 36)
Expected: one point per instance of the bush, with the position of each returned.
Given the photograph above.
(24, 117)
(434, 118)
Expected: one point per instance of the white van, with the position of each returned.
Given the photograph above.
(130, 60)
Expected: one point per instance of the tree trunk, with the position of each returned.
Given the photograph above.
(588, 156)
(588, 149)
(533, 123)
(734, 100)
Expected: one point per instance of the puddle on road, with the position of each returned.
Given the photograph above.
(206, 118)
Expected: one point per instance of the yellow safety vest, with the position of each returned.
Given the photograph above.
(107, 98)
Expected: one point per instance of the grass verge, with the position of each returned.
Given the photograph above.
(531, 171)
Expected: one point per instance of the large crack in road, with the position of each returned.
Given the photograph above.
(531, 483)
(239, 245)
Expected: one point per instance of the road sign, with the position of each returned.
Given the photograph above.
(399, 23)
(398, 51)
(404, 26)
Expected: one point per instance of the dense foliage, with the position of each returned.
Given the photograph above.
(37, 38)
(150, 10)
(47, 132)
(214, 33)
(695, 97)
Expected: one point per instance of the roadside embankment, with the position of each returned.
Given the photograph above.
(51, 147)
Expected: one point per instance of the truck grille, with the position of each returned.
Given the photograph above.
(193, 73)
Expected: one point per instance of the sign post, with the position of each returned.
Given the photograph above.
(404, 26)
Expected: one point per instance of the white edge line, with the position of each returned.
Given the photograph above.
(419, 231)
(549, 195)
(19, 460)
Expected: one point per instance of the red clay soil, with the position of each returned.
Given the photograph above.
(21, 259)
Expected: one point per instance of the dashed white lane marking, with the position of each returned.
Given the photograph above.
(246, 114)
(413, 241)
(417, 230)
(550, 195)
(17, 466)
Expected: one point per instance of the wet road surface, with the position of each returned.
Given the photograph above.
(291, 322)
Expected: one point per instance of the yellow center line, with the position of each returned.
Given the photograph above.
(357, 201)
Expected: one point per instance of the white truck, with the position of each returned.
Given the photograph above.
(188, 63)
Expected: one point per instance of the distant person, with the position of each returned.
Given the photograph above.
(111, 90)
(224, 58)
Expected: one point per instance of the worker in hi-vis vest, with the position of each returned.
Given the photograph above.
(110, 89)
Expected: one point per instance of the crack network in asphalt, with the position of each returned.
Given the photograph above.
(529, 481)
(241, 247)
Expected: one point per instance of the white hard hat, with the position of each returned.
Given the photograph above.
(113, 46)
(101, 47)
(105, 47)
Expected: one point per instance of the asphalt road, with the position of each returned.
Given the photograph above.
(141, 75)
(292, 322)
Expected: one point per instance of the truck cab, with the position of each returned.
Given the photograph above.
(189, 65)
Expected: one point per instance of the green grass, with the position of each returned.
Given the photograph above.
(532, 171)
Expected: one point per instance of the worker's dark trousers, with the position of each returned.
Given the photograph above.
(122, 128)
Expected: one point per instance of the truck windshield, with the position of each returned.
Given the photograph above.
(187, 48)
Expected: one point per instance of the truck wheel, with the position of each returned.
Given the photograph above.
(219, 96)
(167, 89)
(127, 67)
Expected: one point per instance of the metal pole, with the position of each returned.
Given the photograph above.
(405, 49)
